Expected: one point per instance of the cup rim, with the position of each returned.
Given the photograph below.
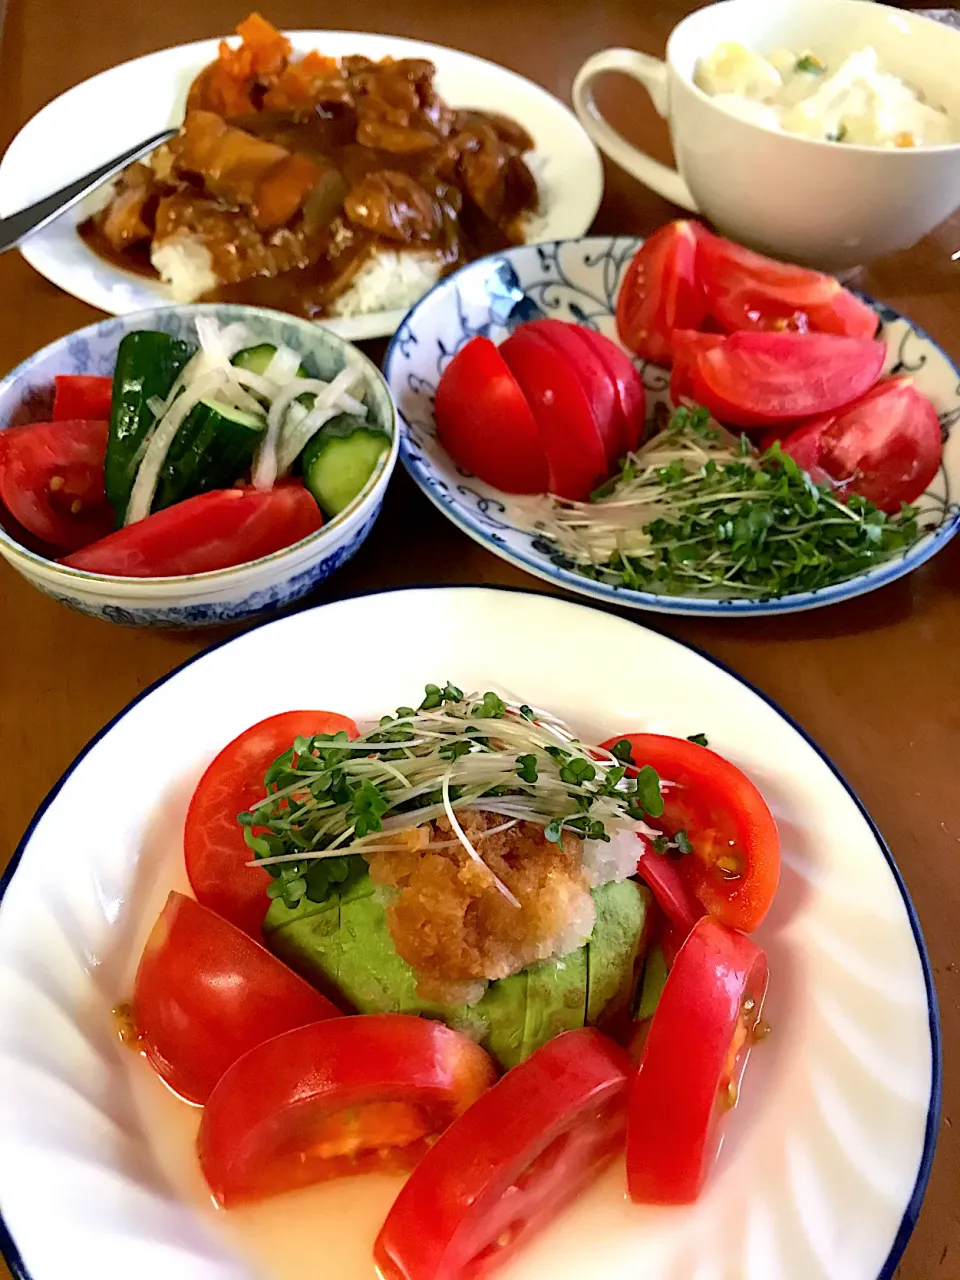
(12, 550)
(853, 148)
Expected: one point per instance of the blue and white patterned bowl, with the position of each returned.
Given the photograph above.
(577, 280)
(226, 595)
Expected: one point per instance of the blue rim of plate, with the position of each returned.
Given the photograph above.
(624, 597)
(8, 1247)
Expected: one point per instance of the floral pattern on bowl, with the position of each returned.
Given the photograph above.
(577, 281)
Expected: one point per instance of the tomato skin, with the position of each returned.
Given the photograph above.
(510, 1163)
(691, 1059)
(631, 394)
(320, 1101)
(206, 993)
(725, 816)
(673, 894)
(661, 292)
(576, 460)
(214, 849)
(756, 380)
(82, 396)
(214, 530)
(485, 424)
(886, 446)
(745, 290)
(593, 377)
(687, 345)
(47, 467)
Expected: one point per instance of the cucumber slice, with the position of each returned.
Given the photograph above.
(340, 459)
(213, 448)
(257, 359)
(147, 365)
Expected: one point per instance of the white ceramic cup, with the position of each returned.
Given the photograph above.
(830, 205)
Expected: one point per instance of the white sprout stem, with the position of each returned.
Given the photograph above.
(459, 832)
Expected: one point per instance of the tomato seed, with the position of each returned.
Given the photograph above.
(730, 865)
(76, 506)
(56, 482)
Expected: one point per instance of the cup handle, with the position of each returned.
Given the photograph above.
(652, 74)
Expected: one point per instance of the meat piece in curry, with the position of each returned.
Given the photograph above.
(289, 176)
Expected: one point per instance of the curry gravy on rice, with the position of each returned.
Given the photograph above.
(288, 178)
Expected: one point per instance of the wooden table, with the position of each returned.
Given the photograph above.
(874, 681)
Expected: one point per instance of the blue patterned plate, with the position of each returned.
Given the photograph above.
(577, 280)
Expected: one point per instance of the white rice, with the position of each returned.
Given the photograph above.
(185, 266)
(389, 281)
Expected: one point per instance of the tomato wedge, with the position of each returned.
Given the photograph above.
(886, 446)
(524, 1150)
(763, 379)
(206, 993)
(661, 292)
(734, 868)
(671, 890)
(51, 480)
(80, 396)
(213, 530)
(745, 290)
(631, 394)
(576, 459)
(693, 1061)
(351, 1095)
(485, 424)
(213, 845)
(593, 377)
(687, 346)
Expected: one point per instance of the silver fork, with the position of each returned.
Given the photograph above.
(24, 223)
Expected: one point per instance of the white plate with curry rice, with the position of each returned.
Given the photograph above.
(358, 218)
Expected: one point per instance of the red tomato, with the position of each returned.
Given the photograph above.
(661, 292)
(213, 845)
(351, 1095)
(576, 460)
(886, 446)
(734, 869)
(764, 379)
(745, 290)
(485, 424)
(693, 1061)
(593, 377)
(510, 1163)
(631, 395)
(78, 396)
(687, 345)
(205, 994)
(213, 530)
(51, 480)
(669, 886)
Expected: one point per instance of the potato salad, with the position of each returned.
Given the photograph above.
(856, 101)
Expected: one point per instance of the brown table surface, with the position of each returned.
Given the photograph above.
(875, 681)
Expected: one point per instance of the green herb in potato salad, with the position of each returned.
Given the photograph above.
(697, 511)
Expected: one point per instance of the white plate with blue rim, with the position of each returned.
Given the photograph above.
(577, 281)
(825, 1158)
(114, 111)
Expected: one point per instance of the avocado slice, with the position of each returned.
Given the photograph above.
(614, 947)
(556, 999)
(343, 946)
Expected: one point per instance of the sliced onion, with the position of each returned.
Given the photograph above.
(221, 345)
(155, 454)
(283, 366)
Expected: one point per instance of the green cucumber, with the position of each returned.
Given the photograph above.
(340, 459)
(147, 366)
(257, 359)
(212, 449)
